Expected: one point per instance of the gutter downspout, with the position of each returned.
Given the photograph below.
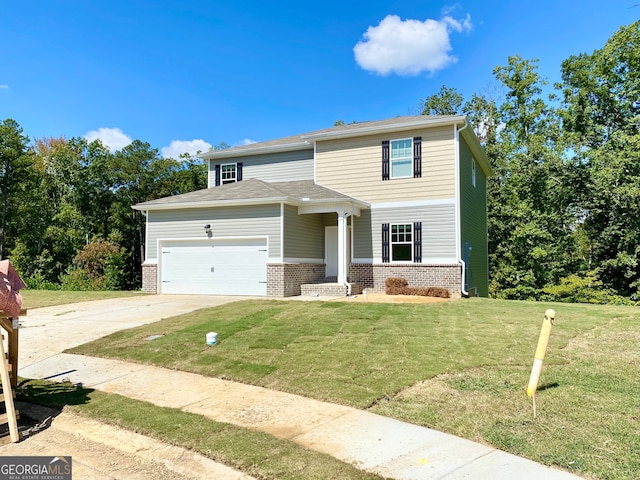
(460, 260)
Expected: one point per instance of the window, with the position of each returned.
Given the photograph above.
(228, 173)
(402, 158)
(473, 172)
(401, 242)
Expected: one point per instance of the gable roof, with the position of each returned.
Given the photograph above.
(251, 192)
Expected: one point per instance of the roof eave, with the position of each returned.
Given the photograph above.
(391, 127)
(211, 203)
(243, 152)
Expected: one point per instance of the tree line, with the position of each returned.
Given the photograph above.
(564, 200)
(66, 219)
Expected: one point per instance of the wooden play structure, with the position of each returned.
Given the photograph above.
(9, 375)
(10, 312)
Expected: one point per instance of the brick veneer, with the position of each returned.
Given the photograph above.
(373, 277)
(150, 278)
(284, 279)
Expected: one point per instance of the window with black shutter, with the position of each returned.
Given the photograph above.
(417, 157)
(239, 172)
(385, 160)
(385, 243)
(417, 242)
(217, 175)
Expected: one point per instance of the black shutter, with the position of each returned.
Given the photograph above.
(385, 160)
(217, 175)
(417, 242)
(385, 243)
(417, 157)
(239, 172)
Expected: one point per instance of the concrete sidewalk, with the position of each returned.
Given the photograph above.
(378, 444)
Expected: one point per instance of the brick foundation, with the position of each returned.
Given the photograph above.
(285, 279)
(150, 278)
(373, 277)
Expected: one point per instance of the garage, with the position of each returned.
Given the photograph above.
(235, 266)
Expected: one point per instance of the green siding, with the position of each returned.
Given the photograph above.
(473, 225)
(303, 235)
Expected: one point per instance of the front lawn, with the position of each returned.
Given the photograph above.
(47, 298)
(459, 366)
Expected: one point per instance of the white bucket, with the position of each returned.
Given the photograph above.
(212, 338)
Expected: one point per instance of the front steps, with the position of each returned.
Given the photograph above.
(329, 289)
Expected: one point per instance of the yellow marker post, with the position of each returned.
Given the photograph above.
(543, 341)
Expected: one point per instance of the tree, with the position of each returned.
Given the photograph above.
(530, 201)
(446, 102)
(601, 119)
(15, 179)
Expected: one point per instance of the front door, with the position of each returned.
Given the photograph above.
(331, 250)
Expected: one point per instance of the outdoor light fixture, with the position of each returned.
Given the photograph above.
(207, 228)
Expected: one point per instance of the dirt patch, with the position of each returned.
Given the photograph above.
(105, 452)
(384, 298)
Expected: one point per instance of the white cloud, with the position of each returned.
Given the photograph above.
(113, 138)
(246, 141)
(4, 87)
(409, 47)
(178, 147)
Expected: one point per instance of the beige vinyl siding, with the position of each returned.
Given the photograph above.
(473, 225)
(259, 220)
(275, 167)
(353, 166)
(438, 230)
(303, 235)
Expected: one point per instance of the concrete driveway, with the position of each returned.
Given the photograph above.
(45, 332)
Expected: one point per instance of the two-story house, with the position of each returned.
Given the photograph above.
(330, 211)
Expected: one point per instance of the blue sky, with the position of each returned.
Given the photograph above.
(185, 75)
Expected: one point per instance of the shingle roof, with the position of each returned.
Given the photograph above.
(250, 191)
(305, 140)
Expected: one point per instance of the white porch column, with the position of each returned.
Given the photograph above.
(342, 247)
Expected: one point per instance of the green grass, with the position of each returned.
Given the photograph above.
(255, 453)
(47, 298)
(460, 366)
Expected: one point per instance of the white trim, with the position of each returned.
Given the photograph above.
(458, 189)
(282, 230)
(150, 261)
(366, 128)
(404, 233)
(212, 203)
(274, 260)
(235, 172)
(243, 152)
(391, 176)
(414, 203)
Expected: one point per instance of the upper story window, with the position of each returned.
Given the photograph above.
(228, 173)
(402, 158)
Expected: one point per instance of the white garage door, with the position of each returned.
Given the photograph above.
(214, 267)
